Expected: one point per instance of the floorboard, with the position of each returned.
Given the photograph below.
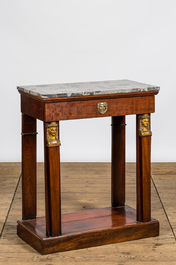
(87, 186)
(9, 176)
(164, 176)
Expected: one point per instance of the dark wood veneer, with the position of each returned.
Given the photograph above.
(32, 107)
(87, 229)
(143, 173)
(118, 161)
(29, 191)
(56, 232)
(86, 109)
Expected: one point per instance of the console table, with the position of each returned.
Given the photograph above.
(119, 222)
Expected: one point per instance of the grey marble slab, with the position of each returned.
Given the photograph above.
(87, 88)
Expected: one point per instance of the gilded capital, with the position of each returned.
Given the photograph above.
(144, 129)
(52, 134)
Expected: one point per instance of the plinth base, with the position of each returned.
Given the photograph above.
(87, 229)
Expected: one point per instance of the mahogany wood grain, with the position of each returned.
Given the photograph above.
(47, 202)
(145, 175)
(84, 215)
(52, 184)
(90, 220)
(143, 171)
(95, 227)
(118, 161)
(32, 107)
(88, 109)
(138, 178)
(118, 226)
(28, 167)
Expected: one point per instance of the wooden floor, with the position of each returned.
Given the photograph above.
(87, 186)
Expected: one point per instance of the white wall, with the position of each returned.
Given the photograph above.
(56, 41)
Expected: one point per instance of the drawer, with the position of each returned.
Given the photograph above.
(98, 108)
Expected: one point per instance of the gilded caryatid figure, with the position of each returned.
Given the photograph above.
(52, 134)
(145, 125)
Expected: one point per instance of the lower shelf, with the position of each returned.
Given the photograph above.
(87, 229)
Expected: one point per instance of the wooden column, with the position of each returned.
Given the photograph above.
(52, 179)
(143, 168)
(118, 162)
(28, 167)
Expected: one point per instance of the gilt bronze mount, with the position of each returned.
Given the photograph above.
(102, 107)
(144, 129)
(52, 134)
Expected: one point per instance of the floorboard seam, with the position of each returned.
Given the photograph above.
(163, 208)
(10, 206)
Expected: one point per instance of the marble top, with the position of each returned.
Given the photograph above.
(87, 88)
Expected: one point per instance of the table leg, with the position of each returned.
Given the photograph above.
(52, 179)
(28, 167)
(118, 162)
(143, 168)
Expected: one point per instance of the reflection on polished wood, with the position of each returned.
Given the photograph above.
(90, 192)
(86, 229)
(122, 223)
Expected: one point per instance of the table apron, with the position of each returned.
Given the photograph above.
(86, 109)
(89, 109)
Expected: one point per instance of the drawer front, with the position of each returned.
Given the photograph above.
(98, 108)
